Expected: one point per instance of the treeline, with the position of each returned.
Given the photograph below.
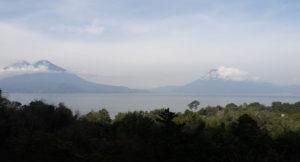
(39, 132)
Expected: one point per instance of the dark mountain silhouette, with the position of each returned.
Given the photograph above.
(54, 80)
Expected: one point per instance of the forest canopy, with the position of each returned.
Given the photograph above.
(248, 132)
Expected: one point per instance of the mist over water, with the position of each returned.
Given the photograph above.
(114, 103)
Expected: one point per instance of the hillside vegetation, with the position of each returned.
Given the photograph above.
(249, 132)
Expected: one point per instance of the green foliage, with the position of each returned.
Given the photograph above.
(191, 121)
(231, 106)
(248, 132)
(100, 117)
(286, 107)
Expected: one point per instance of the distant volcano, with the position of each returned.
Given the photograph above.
(38, 66)
(228, 81)
(46, 77)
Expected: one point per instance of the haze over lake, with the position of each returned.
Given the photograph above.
(114, 103)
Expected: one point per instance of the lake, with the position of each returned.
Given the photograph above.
(115, 103)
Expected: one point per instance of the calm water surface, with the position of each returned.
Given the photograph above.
(115, 103)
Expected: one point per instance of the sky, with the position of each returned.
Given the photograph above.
(150, 43)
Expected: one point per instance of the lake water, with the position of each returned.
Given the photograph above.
(115, 103)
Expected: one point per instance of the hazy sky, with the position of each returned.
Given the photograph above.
(148, 43)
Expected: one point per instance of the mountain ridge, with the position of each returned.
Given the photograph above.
(49, 65)
(46, 77)
(36, 66)
(52, 79)
(213, 84)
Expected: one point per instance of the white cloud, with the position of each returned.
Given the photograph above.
(93, 29)
(23, 68)
(26, 69)
(235, 74)
(159, 59)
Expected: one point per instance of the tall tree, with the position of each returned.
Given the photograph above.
(194, 105)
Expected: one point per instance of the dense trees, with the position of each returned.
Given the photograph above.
(250, 132)
(101, 117)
